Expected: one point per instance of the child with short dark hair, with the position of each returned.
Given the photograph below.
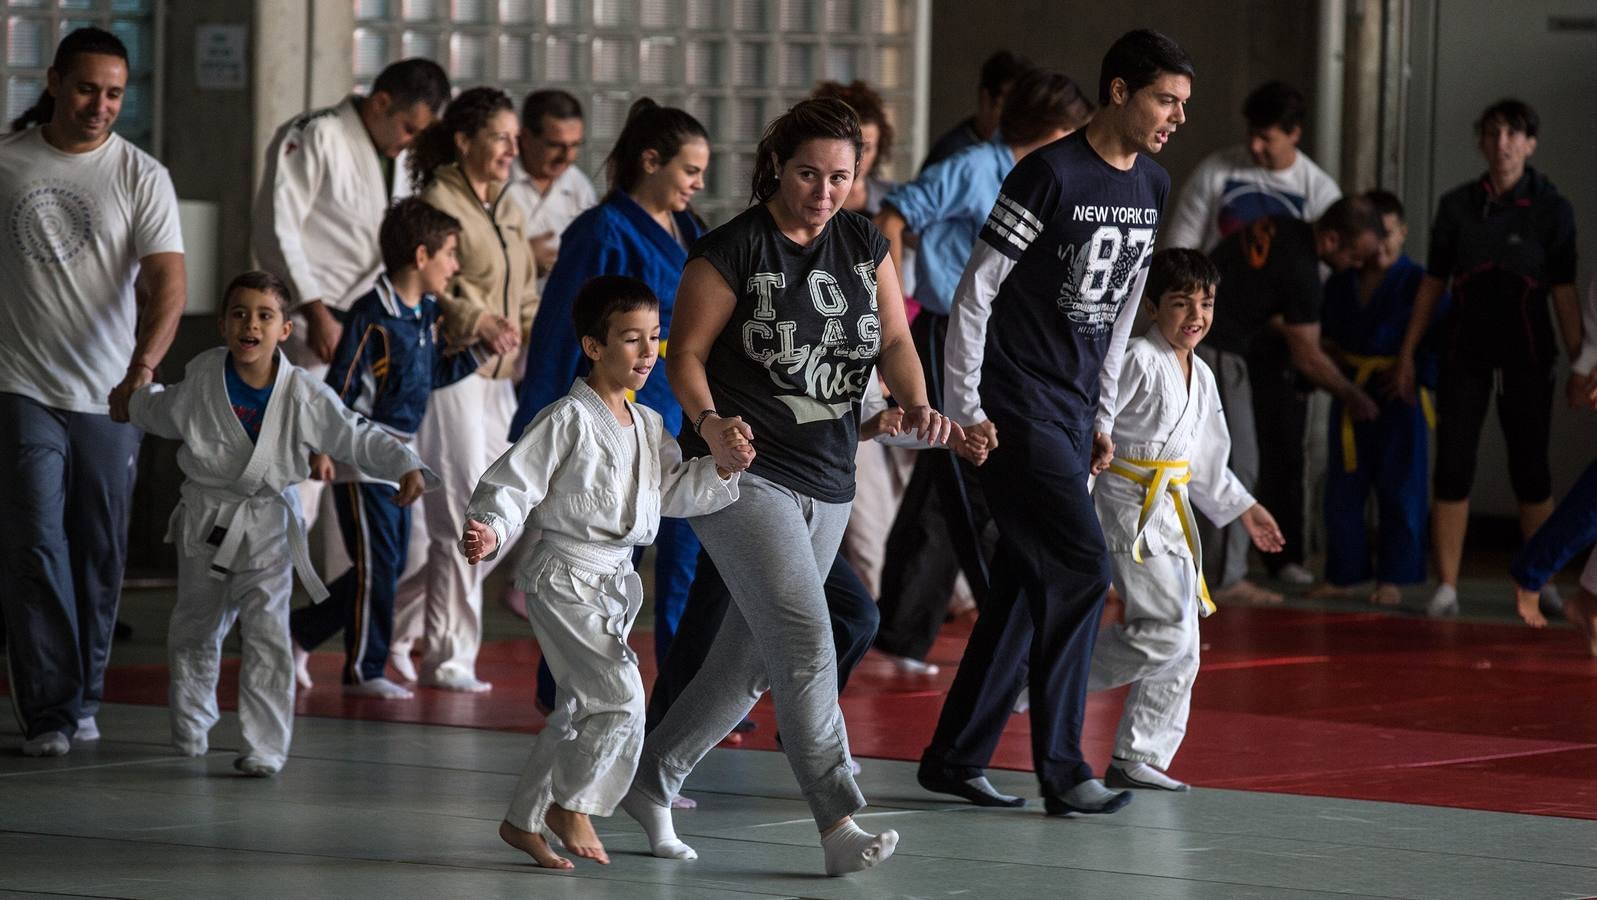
(594, 471)
(249, 421)
(1171, 444)
(387, 363)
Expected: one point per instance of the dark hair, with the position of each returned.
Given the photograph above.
(1386, 203)
(650, 126)
(1041, 101)
(257, 280)
(467, 114)
(1516, 114)
(1001, 70)
(80, 42)
(604, 296)
(807, 120)
(555, 104)
(412, 81)
(1275, 103)
(1138, 58)
(1179, 269)
(867, 105)
(1350, 217)
(412, 223)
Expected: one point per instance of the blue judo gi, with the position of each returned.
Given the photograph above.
(617, 237)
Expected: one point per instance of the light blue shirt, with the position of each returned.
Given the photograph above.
(946, 205)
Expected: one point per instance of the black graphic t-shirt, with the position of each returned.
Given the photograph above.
(1081, 234)
(1269, 268)
(797, 353)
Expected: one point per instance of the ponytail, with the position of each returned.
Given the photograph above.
(649, 126)
(81, 41)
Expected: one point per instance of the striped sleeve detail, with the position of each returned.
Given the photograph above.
(1014, 223)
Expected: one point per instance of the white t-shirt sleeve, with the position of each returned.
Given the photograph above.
(966, 343)
(1194, 209)
(1113, 358)
(157, 227)
(1321, 190)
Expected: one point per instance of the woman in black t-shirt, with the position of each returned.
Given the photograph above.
(780, 319)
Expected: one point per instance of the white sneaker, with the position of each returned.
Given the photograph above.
(1443, 603)
(456, 681)
(403, 665)
(1294, 574)
(88, 730)
(911, 666)
(51, 743)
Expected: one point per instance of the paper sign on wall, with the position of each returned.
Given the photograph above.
(219, 62)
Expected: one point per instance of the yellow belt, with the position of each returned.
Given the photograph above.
(632, 395)
(1365, 368)
(1160, 477)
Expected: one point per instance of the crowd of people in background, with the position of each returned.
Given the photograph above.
(833, 416)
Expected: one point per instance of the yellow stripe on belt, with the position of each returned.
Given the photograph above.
(1365, 368)
(1159, 477)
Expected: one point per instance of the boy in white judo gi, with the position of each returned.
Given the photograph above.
(594, 472)
(1171, 446)
(249, 421)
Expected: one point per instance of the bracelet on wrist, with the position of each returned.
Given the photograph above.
(698, 421)
(146, 367)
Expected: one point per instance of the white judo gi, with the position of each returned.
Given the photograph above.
(1171, 447)
(582, 594)
(240, 536)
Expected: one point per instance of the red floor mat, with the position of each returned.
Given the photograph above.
(1363, 706)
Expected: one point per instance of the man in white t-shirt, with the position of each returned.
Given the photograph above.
(546, 183)
(1267, 176)
(91, 254)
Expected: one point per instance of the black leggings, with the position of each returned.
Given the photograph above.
(1525, 411)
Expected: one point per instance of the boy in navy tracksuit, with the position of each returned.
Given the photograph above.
(387, 364)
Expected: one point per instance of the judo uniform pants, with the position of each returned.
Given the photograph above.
(206, 609)
(1390, 456)
(1569, 530)
(773, 547)
(440, 603)
(853, 613)
(1225, 550)
(65, 493)
(1049, 583)
(581, 611)
(1155, 651)
(361, 601)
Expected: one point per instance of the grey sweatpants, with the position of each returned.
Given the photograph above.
(773, 548)
(1225, 550)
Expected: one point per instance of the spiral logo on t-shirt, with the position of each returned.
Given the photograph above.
(52, 222)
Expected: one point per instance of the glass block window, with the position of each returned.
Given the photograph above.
(34, 27)
(734, 64)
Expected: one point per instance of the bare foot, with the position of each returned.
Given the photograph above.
(1386, 595)
(575, 830)
(681, 802)
(1581, 609)
(1246, 591)
(532, 844)
(1325, 590)
(1529, 608)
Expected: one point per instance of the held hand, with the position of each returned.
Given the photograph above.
(544, 251)
(972, 449)
(1262, 528)
(1530, 607)
(889, 422)
(322, 331)
(1361, 407)
(478, 541)
(410, 488)
(715, 430)
(498, 333)
(932, 426)
(138, 376)
(321, 467)
(1581, 390)
(1402, 379)
(739, 447)
(1103, 451)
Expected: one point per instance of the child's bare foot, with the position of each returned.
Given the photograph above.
(1386, 595)
(1246, 591)
(532, 844)
(1528, 602)
(1580, 608)
(1325, 590)
(575, 830)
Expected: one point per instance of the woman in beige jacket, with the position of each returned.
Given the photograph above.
(460, 165)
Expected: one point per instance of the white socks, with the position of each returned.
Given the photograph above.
(51, 743)
(402, 664)
(656, 822)
(381, 688)
(850, 848)
(88, 730)
(1443, 603)
(302, 667)
(1140, 776)
(456, 681)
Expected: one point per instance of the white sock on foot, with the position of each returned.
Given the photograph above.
(381, 688)
(1126, 774)
(456, 681)
(302, 667)
(1443, 603)
(656, 822)
(88, 730)
(51, 743)
(402, 664)
(850, 848)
